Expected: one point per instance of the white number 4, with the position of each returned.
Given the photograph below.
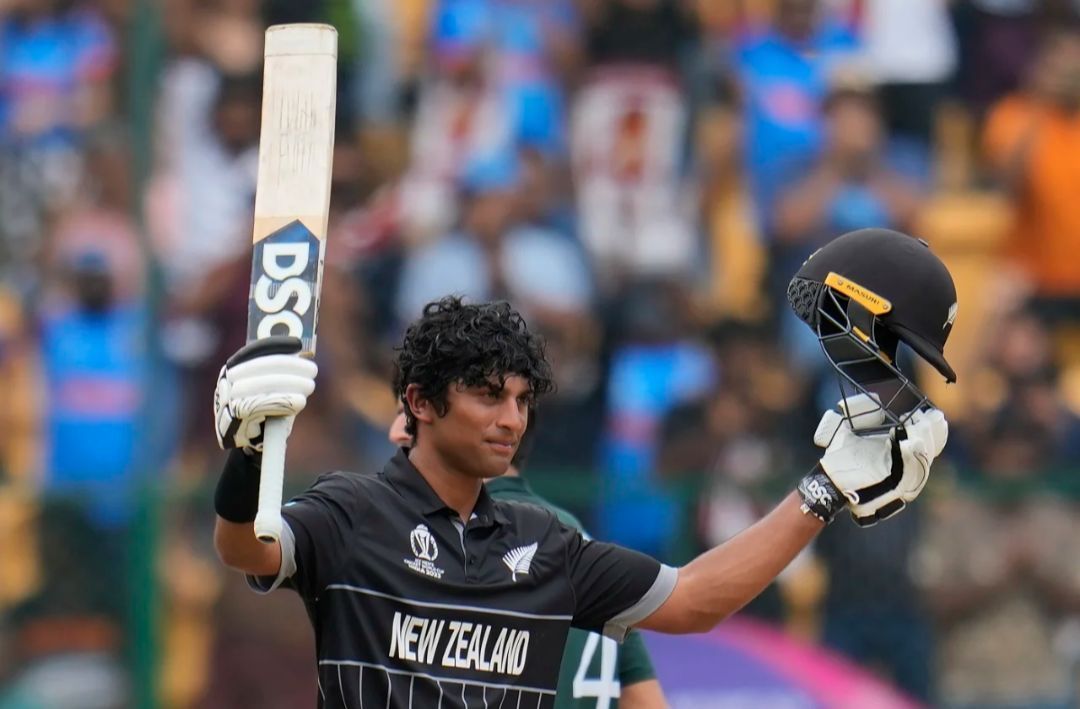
(606, 687)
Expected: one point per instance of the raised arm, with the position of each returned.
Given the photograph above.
(234, 537)
(874, 475)
(264, 378)
(724, 579)
(238, 549)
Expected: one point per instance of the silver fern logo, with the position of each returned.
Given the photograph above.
(518, 560)
(952, 316)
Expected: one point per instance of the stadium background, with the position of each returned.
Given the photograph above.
(641, 177)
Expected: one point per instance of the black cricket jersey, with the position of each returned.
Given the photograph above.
(413, 609)
(594, 670)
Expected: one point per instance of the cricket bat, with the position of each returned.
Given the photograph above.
(292, 203)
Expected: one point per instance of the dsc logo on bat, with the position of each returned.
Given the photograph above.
(284, 279)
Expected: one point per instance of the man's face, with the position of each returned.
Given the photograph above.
(481, 429)
(489, 215)
(1057, 70)
(854, 129)
(237, 122)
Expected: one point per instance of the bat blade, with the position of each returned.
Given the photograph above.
(292, 199)
(292, 204)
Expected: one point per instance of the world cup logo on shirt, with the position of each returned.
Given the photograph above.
(423, 544)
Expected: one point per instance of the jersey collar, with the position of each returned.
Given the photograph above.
(410, 484)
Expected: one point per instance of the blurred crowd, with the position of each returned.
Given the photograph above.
(640, 178)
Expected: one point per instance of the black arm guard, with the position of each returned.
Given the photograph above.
(236, 498)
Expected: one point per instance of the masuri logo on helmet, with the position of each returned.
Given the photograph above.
(870, 300)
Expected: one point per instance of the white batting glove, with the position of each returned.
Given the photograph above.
(877, 475)
(919, 442)
(863, 410)
(266, 377)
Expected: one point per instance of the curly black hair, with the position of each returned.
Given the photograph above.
(468, 344)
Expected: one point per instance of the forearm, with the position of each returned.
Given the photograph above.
(721, 581)
(236, 503)
(238, 548)
(642, 695)
(265, 378)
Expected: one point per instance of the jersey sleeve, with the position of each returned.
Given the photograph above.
(635, 665)
(318, 525)
(614, 587)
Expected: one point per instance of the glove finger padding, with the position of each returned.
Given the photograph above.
(274, 365)
(827, 427)
(916, 469)
(930, 427)
(257, 408)
(262, 379)
(270, 385)
(916, 447)
(862, 410)
(254, 431)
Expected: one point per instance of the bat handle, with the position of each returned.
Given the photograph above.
(268, 520)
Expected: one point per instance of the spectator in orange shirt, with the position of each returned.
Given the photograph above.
(1032, 140)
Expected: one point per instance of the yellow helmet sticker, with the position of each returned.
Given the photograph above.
(864, 296)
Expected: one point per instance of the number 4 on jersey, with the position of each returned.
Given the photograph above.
(606, 687)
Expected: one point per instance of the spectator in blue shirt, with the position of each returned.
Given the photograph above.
(783, 76)
(55, 65)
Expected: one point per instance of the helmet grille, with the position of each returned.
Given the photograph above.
(803, 295)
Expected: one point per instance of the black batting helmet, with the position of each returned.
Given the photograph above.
(865, 292)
